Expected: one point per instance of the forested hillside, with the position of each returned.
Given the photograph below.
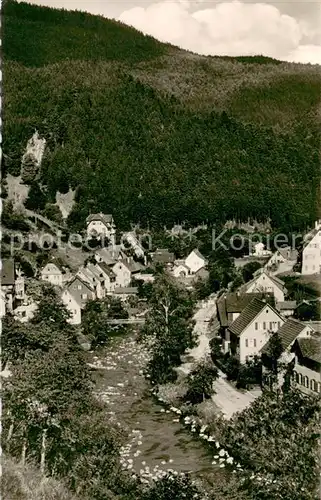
(155, 134)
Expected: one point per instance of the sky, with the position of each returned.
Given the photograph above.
(287, 30)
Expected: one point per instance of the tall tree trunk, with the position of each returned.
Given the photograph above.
(24, 450)
(43, 451)
(9, 436)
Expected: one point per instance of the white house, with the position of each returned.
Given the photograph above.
(125, 270)
(101, 225)
(286, 308)
(266, 283)
(195, 261)
(251, 329)
(72, 305)
(108, 275)
(259, 250)
(81, 290)
(180, 269)
(283, 260)
(52, 273)
(3, 307)
(311, 254)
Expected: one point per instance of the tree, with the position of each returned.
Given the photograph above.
(36, 198)
(173, 488)
(200, 382)
(270, 360)
(29, 168)
(51, 308)
(249, 269)
(169, 328)
(95, 320)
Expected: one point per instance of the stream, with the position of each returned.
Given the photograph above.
(157, 441)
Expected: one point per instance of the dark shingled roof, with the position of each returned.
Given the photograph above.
(288, 332)
(236, 302)
(7, 272)
(311, 348)
(162, 255)
(105, 218)
(247, 316)
(106, 269)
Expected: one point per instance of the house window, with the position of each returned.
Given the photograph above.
(306, 381)
(256, 326)
(264, 325)
(246, 343)
(254, 342)
(84, 296)
(79, 287)
(271, 325)
(313, 385)
(318, 387)
(300, 379)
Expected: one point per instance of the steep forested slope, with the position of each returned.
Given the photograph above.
(156, 134)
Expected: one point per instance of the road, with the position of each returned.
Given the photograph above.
(228, 399)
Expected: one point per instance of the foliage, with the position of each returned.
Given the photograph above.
(308, 311)
(51, 309)
(221, 269)
(13, 220)
(52, 212)
(174, 488)
(29, 168)
(161, 158)
(200, 382)
(95, 318)
(36, 198)
(168, 329)
(249, 269)
(276, 436)
(249, 373)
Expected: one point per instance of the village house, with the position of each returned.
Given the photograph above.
(73, 304)
(180, 270)
(101, 225)
(195, 261)
(283, 260)
(307, 364)
(250, 331)
(53, 273)
(229, 306)
(264, 282)
(92, 277)
(311, 254)
(125, 270)
(109, 255)
(289, 332)
(286, 308)
(163, 256)
(81, 290)
(124, 293)
(109, 276)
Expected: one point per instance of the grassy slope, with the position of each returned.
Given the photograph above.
(131, 121)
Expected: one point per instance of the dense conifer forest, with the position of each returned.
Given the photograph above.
(155, 134)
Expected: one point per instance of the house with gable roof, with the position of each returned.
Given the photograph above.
(307, 364)
(73, 304)
(195, 261)
(12, 285)
(125, 270)
(81, 290)
(230, 305)
(283, 260)
(250, 331)
(52, 273)
(110, 255)
(109, 276)
(288, 333)
(92, 277)
(101, 225)
(266, 283)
